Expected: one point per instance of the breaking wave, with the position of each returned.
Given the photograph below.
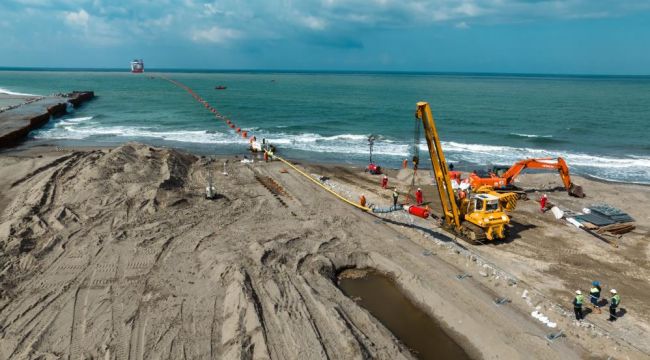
(354, 146)
(9, 92)
(531, 135)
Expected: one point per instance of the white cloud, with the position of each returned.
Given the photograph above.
(160, 23)
(215, 34)
(461, 25)
(313, 22)
(79, 18)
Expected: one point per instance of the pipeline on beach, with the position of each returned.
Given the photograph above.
(245, 134)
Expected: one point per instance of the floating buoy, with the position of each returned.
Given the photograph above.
(244, 134)
(238, 130)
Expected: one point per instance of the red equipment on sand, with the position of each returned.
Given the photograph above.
(418, 211)
(374, 169)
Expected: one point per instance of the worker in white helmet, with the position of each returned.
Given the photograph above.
(419, 199)
(395, 198)
(577, 305)
(613, 304)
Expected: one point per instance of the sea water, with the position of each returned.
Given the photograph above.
(599, 124)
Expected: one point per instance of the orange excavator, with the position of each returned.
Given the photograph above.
(503, 177)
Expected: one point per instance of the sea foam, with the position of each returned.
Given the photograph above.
(632, 168)
(9, 92)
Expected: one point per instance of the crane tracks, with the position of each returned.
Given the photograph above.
(274, 188)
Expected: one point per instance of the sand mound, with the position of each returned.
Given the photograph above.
(117, 254)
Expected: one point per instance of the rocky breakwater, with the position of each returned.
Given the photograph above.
(17, 122)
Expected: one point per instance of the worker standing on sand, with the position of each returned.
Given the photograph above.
(362, 200)
(418, 196)
(613, 304)
(577, 305)
(594, 295)
(384, 182)
(542, 203)
(395, 197)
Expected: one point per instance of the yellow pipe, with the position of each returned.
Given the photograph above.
(364, 208)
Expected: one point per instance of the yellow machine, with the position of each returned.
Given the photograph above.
(475, 216)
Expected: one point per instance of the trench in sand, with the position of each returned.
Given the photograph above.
(381, 296)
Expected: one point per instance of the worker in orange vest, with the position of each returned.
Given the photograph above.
(362, 200)
(542, 203)
(384, 182)
(418, 196)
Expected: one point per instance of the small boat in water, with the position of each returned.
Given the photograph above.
(137, 66)
(220, 87)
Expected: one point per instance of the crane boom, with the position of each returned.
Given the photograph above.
(440, 170)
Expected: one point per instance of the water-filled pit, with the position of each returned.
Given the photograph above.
(381, 296)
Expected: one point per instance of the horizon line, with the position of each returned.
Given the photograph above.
(313, 71)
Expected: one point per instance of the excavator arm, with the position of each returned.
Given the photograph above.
(544, 163)
(440, 170)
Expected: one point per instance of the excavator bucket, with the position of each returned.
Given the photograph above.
(576, 190)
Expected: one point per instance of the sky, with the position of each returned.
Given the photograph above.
(505, 36)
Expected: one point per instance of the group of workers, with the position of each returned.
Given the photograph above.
(594, 297)
(419, 197)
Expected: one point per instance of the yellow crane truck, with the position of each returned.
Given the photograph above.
(475, 215)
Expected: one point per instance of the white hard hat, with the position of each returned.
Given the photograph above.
(578, 292)
(613, 291)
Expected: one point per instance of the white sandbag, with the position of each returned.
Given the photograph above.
(557, 212)
(574, 222)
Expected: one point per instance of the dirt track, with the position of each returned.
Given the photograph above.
(118, 255)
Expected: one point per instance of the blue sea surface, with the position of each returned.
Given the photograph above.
(599, 124)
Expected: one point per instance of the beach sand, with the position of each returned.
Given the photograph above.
(116, 253)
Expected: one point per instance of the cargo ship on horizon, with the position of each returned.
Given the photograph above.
(137, 66)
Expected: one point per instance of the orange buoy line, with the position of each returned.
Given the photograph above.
(244, 134)
(217, 114)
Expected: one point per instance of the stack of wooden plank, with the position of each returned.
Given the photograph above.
(617, 229)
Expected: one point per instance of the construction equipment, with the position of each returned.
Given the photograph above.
(503, 178)
(476, 215)
(210, 190)
(372, 168)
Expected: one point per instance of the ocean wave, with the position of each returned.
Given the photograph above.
(507, 154)
(188, 136)
(72, 121)
(531, 135)
(9, 92)
(624, 168)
